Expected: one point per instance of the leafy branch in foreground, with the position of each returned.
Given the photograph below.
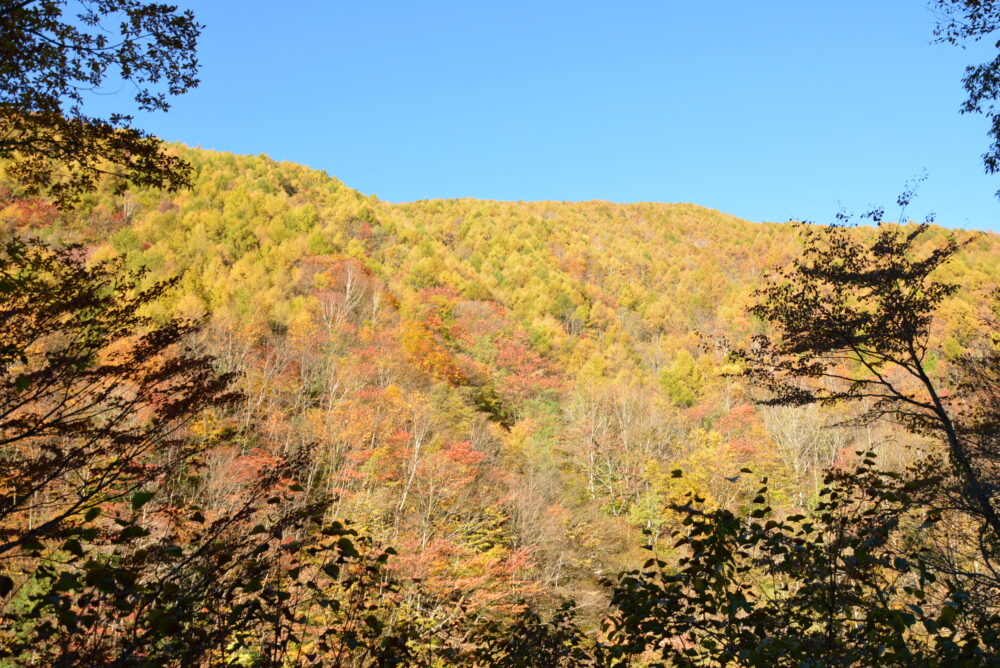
(850, 583)
(93, 395)
(50, 63)
(115, 549)
(852, 323)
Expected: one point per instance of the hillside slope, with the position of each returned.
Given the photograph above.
(500, 389)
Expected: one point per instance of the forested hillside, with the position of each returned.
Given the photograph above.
(502, 391)
(251, 417)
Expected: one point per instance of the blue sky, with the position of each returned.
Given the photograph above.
(767, 110)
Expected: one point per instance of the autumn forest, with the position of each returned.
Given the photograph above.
(250, 416)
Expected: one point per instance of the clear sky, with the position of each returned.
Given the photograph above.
(767, 110)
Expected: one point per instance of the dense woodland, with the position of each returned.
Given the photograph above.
(252, 417)
(498, 407)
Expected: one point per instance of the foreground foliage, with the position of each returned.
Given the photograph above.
(117, 548)
(145, 524)
(55, 53)
(192, 396)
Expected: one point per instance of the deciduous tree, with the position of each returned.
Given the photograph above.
(53, 53)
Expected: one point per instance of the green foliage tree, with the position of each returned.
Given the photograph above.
(889, 568)
(852, 322)
(50, 61)
(682, 381)
(962, 21)
(846, 584)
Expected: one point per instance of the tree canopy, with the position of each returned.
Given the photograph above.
(53, 55)
(962, 21)
(197, 387)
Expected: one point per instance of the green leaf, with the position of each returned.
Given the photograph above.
(73, 547)
(67, 582)
(947, 617)
(139, 499)
(132, 531)
(32, 544)
(347, 547)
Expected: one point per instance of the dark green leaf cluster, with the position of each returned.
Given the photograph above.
(961, 21)
(49, 62)
(849, 584)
